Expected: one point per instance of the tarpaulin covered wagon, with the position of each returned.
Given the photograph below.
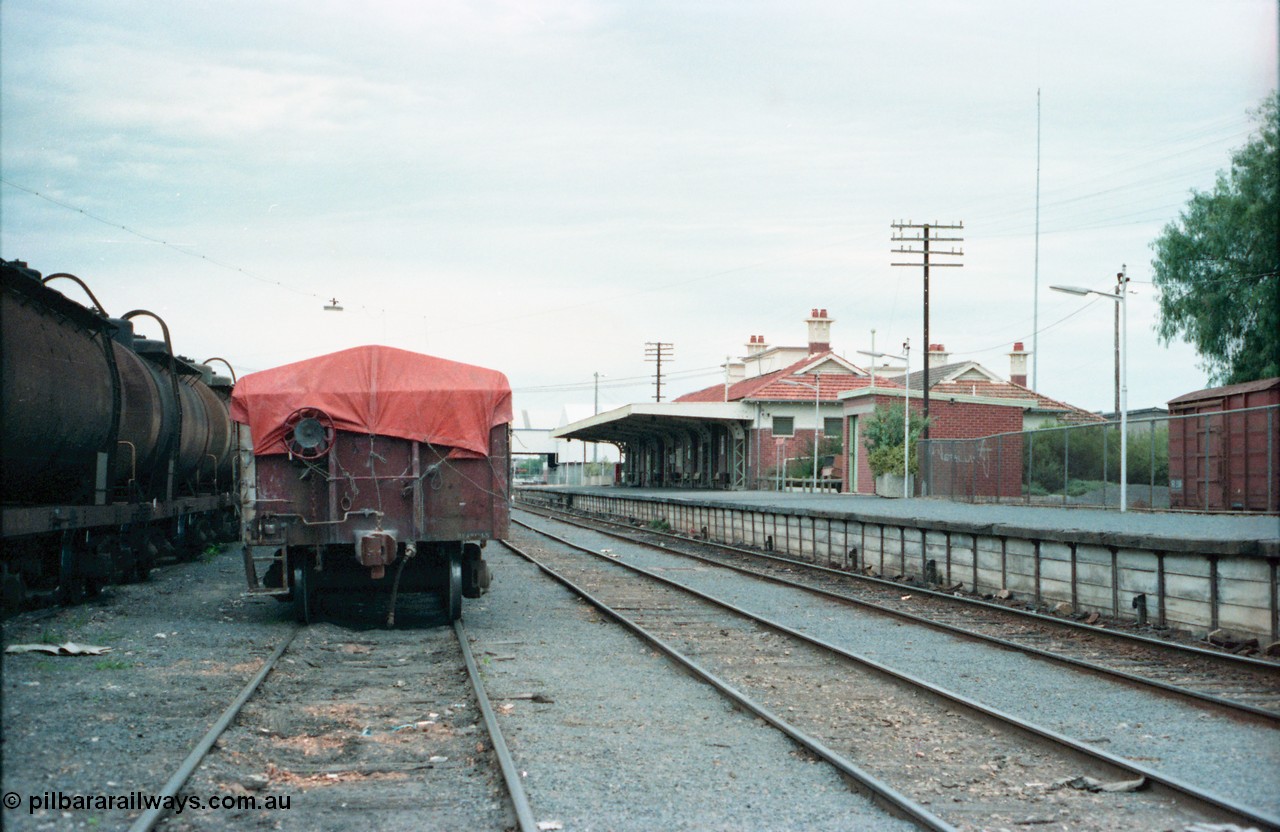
(375, 469)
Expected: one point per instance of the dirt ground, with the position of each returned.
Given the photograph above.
(88, 738)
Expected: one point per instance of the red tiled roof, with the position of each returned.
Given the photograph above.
(772, 387)
(1011, 390)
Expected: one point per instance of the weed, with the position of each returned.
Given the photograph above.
(111, 664)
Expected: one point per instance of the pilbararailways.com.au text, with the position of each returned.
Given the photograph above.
(137, 801)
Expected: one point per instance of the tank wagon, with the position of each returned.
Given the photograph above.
(375, 470)
(115, 451)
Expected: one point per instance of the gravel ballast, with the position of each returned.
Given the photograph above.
(1234, 758)
(626, 741)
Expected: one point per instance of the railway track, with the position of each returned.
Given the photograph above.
(1245, 687)
(349, 724)
(945, 761)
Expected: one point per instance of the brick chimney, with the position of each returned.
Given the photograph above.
(938, 356)
(756, 345)
(1018, 364)
(819, 331)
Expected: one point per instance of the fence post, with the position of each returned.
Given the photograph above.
(1106, 471)
(973, 475)
(953, 469)
(1066, 462)
(999, 466)
(1031, 463)
(1205, 466)
(1270, 461)
(1151, 469)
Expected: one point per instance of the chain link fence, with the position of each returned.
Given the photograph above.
(1221, 461)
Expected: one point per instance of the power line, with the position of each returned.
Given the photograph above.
(185, 250)
(617, 383)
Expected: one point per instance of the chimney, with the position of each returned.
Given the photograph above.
(938, 356)
(756, 345)
(735, 371)
(1018, 364)
(819, 331)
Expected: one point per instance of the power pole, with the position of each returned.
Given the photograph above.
(1035, 286)
(900, 231)
(657, 351)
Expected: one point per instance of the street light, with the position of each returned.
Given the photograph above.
(1121, 298)
(817, 422)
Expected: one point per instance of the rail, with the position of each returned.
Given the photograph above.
(1218, 666)
(1175, 787)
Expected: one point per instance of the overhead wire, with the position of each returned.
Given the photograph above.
(184, 250)
(1088, 218)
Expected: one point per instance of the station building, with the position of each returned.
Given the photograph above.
(776, 402)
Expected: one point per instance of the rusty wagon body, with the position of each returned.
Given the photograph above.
(374, 470)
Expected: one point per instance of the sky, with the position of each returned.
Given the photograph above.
(544, 187)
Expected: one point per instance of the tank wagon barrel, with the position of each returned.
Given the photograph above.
(115, 450)
(375, 470)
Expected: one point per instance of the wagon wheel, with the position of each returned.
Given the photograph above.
(71, 583)
(303, 597)
(453, 605)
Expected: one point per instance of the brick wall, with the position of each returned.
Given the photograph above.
(799, 445)
(980, 465)
(988, 468)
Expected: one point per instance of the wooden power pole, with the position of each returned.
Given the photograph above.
(657, 351)
(901, 232)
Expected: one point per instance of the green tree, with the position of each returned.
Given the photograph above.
(1217, 266)
(882, 436)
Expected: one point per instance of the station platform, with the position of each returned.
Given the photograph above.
(1175, 531)
(1197, 572)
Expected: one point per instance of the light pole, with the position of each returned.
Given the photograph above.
(595, 446)
(817, 422)
(1120, 297)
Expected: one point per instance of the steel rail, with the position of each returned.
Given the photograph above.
(1252, 711)
(1176, 785)
(878, 789)
(1202, 652)
(515, 789)
(147, 820)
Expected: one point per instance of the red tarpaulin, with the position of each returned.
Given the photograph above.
(378, 390)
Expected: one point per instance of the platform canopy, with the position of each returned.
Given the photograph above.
(379, 391)
(636, 422)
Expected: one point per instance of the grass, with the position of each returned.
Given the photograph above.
(112, 664)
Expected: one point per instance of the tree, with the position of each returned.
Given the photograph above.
(882, 436)
(1218, 266)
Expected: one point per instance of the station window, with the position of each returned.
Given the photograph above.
(784, 425)
(831, 427)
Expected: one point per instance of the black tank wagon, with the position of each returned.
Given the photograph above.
(376, 470)
(114, 451)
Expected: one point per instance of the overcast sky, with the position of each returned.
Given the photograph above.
(543, 187)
